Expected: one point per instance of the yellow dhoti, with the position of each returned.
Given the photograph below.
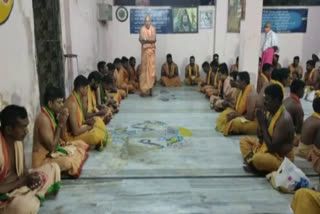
(222, 119)
(306, 201)
(97, 136)
(171, 82)
(257, 154)
(70, 158)
(303, 150)
(314, 157)
(196, 81)
(240, 125)
(27, 201)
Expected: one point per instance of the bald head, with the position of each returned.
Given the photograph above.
(147, 21)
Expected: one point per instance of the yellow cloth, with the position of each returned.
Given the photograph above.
(72, 162)
(240, 125)
(171, 82)
(166, 80)
(306, 201)
(96, 136)
(197, 80)
(303, 150)
(92, 101)
(148, 60)
(25, 200)
(316, 115)
(256, 153)
(317, 94)
(282, 87)
(314, 157)
(216, 78)
(241, 106)
(209, 77)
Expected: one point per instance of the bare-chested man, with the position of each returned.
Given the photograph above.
(21, 189)
(192, 73)
(240, 120)
(49, 145)
(294, 107)
(92, 131)
(275, 135)
(90, 104)
(264, 78)
(309, 146)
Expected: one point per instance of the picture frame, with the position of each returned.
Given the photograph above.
(185, 19)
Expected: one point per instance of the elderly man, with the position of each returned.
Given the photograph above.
(148, 41)
(270, 45)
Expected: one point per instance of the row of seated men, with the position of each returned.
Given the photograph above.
(64, 132)
(170, 71)
(275, 118)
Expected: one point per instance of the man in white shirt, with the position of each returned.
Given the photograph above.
(270, 45)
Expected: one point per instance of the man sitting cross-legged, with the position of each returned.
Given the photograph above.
(275, 135)
(133, 74)
(309, 146)
(192, 73)
(296, 70)
(240, 120)
(93, 131)
(49, 145)
(210, 75)
(294, 107)
(21, 189)
(228, 94)
(90, 104)
(170, 73)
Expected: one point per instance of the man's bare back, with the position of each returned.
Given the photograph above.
(309, 130)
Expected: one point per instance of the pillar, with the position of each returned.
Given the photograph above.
(250, 39)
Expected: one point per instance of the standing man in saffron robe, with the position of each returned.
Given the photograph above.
(270, 45)
(148, 41)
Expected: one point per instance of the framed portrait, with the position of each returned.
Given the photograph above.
(234, 15)
(185, 20)
(205, 19)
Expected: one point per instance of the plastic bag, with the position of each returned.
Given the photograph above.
(288, 178)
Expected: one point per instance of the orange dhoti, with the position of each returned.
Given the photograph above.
(171, 82)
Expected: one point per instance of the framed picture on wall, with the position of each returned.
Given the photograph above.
(234, 15)
(185, 20)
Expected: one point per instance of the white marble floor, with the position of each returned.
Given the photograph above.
(141, 173)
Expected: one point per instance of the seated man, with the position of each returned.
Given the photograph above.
(235, 67)
(102, 68)
(275, 135)
(215, 84)
(228, 94)
(275, 62)
(309, 146)
(296, 70)
(313, 82)
(21, 189)
(264, 77)
(192, 74)
(310, 70)
(92, 131)
(90, 105)
(122, 88)
(48, 143)
(306, 201)
(133, 75)
(210, 75)
(124, 73)
(281, 77)
(294, 107)
(170, 73)
(215, 58)
(240, 120)
(116, 93)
